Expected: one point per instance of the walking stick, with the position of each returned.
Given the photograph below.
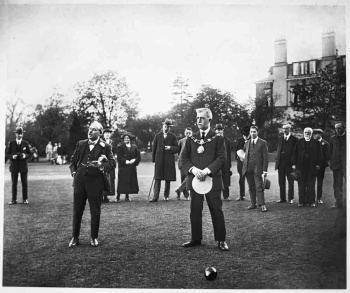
(150, 188)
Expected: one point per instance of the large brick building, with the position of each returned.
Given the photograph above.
(283, 76)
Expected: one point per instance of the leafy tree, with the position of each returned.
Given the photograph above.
(321, 101)
(106, 98)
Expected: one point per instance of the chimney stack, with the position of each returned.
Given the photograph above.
(328, 43)
(280, 50)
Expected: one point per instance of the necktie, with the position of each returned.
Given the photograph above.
(91, 142)
(203, 135)
(253, 143)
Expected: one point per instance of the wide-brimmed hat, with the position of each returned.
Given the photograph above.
(202, 187)
(317, 130)
(296, 175)
(131, 136)
(219, 126)
(245, 130)
(107, 129)
(168, 122)
(19, 130)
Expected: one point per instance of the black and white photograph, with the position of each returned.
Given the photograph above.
(173, 145)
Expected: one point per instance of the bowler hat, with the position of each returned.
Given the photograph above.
(168, 122)
(245, 130)
(317, 130)
(296, 175)
(107, 129)
(19, 130)
(267, 183)
(219, 126)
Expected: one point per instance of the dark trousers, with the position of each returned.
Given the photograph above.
(256, 190)
(112, 191)
(215, 207)
(87, 188)
(157, 185)
(282, 174)
(306, 187)
(182, 187)
(241, 179)
(319, 179)
(226, 192)
(24, 180)
(339, 175)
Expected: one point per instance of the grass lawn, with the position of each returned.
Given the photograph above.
(140, 242)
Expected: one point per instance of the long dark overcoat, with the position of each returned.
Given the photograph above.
(127, 173)
(164, 168)
(226, 169)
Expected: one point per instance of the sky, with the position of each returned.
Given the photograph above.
(229, 47)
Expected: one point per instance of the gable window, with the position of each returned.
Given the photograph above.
(303, 68)
(296, 69)
(312, 66)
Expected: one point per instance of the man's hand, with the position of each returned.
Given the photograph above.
(14, 157)
(132, 161)
(200, 174)
(294, 167)
(23, 156)
(167, 148)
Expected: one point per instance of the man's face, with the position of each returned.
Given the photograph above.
(286, 130)
(339, 129)
(127, 139)
(188, 133)
(317, 136)
(253, 133)
(166, 128)
(93, 133)
(107, 135)
(219, 132)
(19, 136)
(202, 121)
(307, 134)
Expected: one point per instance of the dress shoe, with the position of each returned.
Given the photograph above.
(223, 246)
(251, 207)
(127, 199)
(74, 242)
(191, 243)
(227, 199)
(281, 201)
(12, 202)
(240, 198)
(336, 207)
(94, 242)
(187, 198)
(263, 208)
(166, 199)
(320, 201)
(117, 200)
(26, 201)
(178, 193)
(153, 200)
(313, 205)
(290, 201)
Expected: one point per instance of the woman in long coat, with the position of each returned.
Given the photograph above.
(128, 156)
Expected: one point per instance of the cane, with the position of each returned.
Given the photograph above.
(150, 188)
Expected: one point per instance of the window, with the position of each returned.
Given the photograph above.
(303, 68)
(267, 94)
(295, 68)
(312, 67)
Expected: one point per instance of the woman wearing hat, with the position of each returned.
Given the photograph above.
(107, 138)
(128, 156)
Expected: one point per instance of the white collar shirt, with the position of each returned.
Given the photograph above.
(91, 146)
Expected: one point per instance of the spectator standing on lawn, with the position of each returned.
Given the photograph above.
(202, 159)
(18, 152)
(325, 153)
(107, 132)
(337, 154)
(48, 151)
(226, 169)
(240, 145)
(164, 148)
(128, 156)
(285, 148)
(255, 166)
(182, 187)
(307, 158)
(54, 154)
(91, 161)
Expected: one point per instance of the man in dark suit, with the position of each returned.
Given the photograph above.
(164, 148)
(182, 188)
(18, 151)
(255, 168)
(240, 145)
(285, 148)
(204, 155)
(107, 132)
(307, 158)
(337, 154)
(226, 169)
(91, 161)
(325, 152)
